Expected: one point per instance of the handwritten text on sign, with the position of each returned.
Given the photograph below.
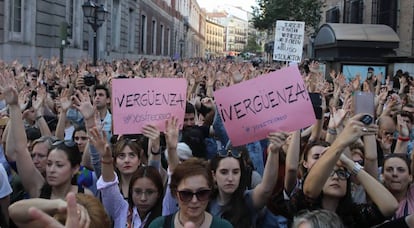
(138, 102)
(277, 101)
(289, 41)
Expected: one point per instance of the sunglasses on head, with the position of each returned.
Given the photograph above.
(187, 196)
(342, 174)
(229, 152)
(67, 143)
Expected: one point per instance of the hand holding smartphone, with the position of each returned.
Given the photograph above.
(364, 103)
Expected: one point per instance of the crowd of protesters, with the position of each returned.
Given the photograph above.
(62, 166)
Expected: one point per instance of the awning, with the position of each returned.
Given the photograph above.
(336, 40)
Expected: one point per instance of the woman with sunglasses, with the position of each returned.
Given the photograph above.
(145, 190)
(231, 200)
(191, 184)
(327, 185)
(63, 160)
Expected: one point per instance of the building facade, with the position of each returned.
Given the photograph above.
(214, 39)
(398, 14)
(132, 29)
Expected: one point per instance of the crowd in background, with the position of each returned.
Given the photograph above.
(62, 165)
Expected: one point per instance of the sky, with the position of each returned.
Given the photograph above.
(210, 4)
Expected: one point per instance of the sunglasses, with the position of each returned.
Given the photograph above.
(67, 143)
(187, 196)
(229, 152)
(342, 174)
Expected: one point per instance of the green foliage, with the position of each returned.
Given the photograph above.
(252, 45)
(268, 12)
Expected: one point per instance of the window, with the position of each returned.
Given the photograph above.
(162, 39)
(116, 25)
(332, 15)
(131, 29)
(143, 34)
(154, 37)
(355, 12)
(16, 14)
(387, 13)
(168, 41)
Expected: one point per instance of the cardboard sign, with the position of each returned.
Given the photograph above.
(138, 102)
(289, 41)
(277, 101)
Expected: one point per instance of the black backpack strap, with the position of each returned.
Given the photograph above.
(168, 221)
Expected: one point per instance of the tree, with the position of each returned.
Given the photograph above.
(269, 11)
(252, 45)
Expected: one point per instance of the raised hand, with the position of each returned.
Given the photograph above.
(153, 134)
(8, 88)
(98, 140)
(82, 102)
(354, 129)
(65, 101)
(277, 139)
(171, 132)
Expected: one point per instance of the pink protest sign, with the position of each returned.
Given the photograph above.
(277, 101)
(138, 102)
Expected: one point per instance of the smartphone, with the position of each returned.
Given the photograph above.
(316, 99)
(364, 103)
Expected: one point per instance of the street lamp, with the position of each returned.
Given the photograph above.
(95, 16)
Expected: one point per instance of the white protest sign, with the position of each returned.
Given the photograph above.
(289, 41)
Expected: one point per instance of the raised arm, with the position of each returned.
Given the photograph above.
(292, 162)
(263, 191)
(98, 140)
(171, 137)
(322, 169)
(65, 103)
(371, 157)
(385, 201)
(38, 106)
(31, 178)
(154, 153)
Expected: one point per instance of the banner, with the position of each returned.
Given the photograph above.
(289, 41)
(277, 101)
(138, 102)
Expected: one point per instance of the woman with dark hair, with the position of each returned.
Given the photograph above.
(397, 178)
(145, 189)
(231, 200)
(327, 185)
(63, 159)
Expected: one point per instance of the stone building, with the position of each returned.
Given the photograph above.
(132, 29)
(214, 39)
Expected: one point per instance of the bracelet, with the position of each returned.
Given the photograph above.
(332, 131)
(357, 167)
(156, 153)
(107, 162)
(404, 139)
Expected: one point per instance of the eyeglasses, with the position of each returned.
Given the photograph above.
(187, 196)
(342, 174)
(147, 193)
(68, 143)
(229, 152)
(80, 137)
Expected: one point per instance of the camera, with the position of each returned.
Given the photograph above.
(89, 80)
(366, 119)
